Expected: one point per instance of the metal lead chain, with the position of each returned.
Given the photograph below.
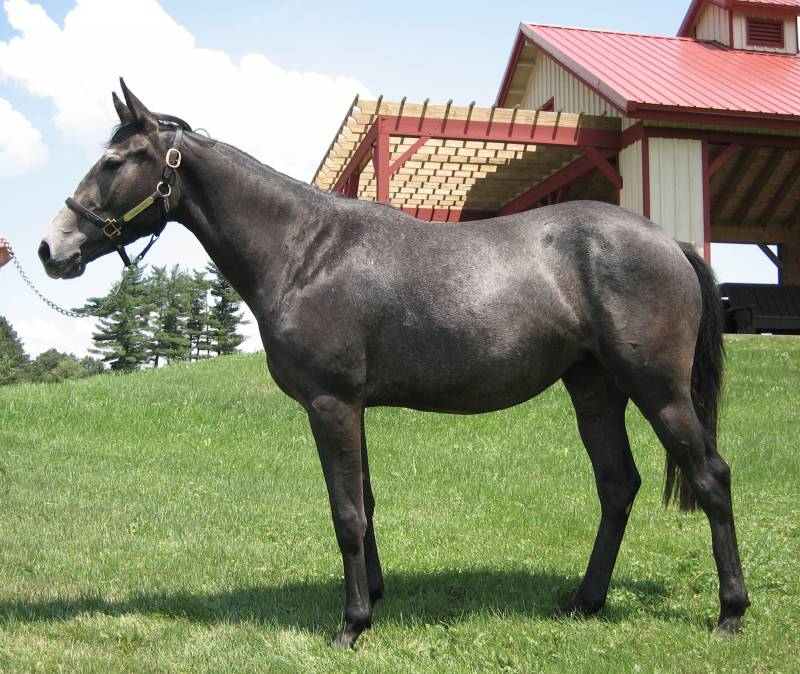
(61, 310)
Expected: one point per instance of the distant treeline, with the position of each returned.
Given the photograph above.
(146, 320)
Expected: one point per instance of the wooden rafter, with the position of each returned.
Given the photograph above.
(754, 235)
(440, 158)
(780, 196)
(774, 158)
(722, 159)
(734, 182)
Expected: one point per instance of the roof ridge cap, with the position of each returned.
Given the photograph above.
(609, 31)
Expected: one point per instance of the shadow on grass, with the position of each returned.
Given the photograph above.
(448, 597)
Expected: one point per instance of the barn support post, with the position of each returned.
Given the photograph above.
(706, 202)
(789, 273)
(380, 157)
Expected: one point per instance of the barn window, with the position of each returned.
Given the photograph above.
(765, 33)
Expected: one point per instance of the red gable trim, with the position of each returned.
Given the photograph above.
(511, 68)
(574, 69)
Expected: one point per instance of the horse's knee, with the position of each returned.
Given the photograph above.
(719, 470)
(618, 493)
(351, 526)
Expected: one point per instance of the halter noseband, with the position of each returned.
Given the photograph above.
(112, 227)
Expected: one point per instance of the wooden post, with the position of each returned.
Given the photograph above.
(790, 259)
(381, 157)
(706, 202)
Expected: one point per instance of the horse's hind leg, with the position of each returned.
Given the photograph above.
(681, 433)
(600, 409)
(374, 573)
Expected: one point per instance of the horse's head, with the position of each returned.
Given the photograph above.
(112, 205)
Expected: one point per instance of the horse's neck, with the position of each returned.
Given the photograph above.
(249, 218)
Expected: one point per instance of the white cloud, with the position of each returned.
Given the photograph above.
(284, 118)
(21, 147)
(67, 335)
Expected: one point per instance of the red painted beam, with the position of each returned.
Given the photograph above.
(726, 137)
(504, 132)
(600, 161)
(713, 118)
(564, 177)
(722, 159)
(381, 158)
(632, 134)
(394, 168)
(646, 177)
(706, 202)
(356, 162)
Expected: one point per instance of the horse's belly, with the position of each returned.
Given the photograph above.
(464, 379)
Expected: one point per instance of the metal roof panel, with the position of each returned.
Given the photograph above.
(633, 70)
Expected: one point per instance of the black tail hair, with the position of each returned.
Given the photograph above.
(707, 371)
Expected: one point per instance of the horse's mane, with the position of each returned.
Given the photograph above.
(124, 130)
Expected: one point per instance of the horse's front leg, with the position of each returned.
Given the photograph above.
(337, 430)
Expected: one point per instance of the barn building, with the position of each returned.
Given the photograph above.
(698, 132)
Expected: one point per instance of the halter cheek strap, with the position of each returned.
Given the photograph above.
(113, 227)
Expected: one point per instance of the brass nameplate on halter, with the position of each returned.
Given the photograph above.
(111, 229)
(131, 214)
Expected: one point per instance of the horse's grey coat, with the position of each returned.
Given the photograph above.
(361, 305)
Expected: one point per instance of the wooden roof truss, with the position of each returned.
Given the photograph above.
(447, 162)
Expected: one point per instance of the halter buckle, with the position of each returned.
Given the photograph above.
(111, 228)
(174, 158)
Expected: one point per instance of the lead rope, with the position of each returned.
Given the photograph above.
(61, 310)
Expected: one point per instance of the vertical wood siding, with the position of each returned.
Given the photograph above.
(714, 25)
(549, 80)
(740, 36)
(630, 167)
(676, 188)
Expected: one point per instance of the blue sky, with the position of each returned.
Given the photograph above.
(233, 67)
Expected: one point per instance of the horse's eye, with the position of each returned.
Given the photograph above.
(112, 164)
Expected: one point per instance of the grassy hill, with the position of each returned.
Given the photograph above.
(176, 520)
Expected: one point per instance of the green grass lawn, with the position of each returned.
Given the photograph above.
(177, 521)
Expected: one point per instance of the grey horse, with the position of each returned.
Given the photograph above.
(360, 305)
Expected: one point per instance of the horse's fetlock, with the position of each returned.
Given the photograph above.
(359, 617)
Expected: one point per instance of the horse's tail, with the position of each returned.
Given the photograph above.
(709, 355)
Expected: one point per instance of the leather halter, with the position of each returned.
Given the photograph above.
(113, 227)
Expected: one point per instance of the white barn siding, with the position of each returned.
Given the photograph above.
(676, 188)
(630, 167)
(714, 25)
(549, 80)
(789, 36)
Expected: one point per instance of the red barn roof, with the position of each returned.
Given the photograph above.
(649, 76)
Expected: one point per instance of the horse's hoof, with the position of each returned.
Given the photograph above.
(346, 637)
(728, 627)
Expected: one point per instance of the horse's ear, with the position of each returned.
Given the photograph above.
(125, 115)
(140, 113)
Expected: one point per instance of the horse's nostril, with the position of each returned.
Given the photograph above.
(44, 252)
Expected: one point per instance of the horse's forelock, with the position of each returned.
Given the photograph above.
(124, 130)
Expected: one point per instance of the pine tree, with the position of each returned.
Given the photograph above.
(14, 362)
(224, 316)
(170, 308)
(122, 337)
(196, 293)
